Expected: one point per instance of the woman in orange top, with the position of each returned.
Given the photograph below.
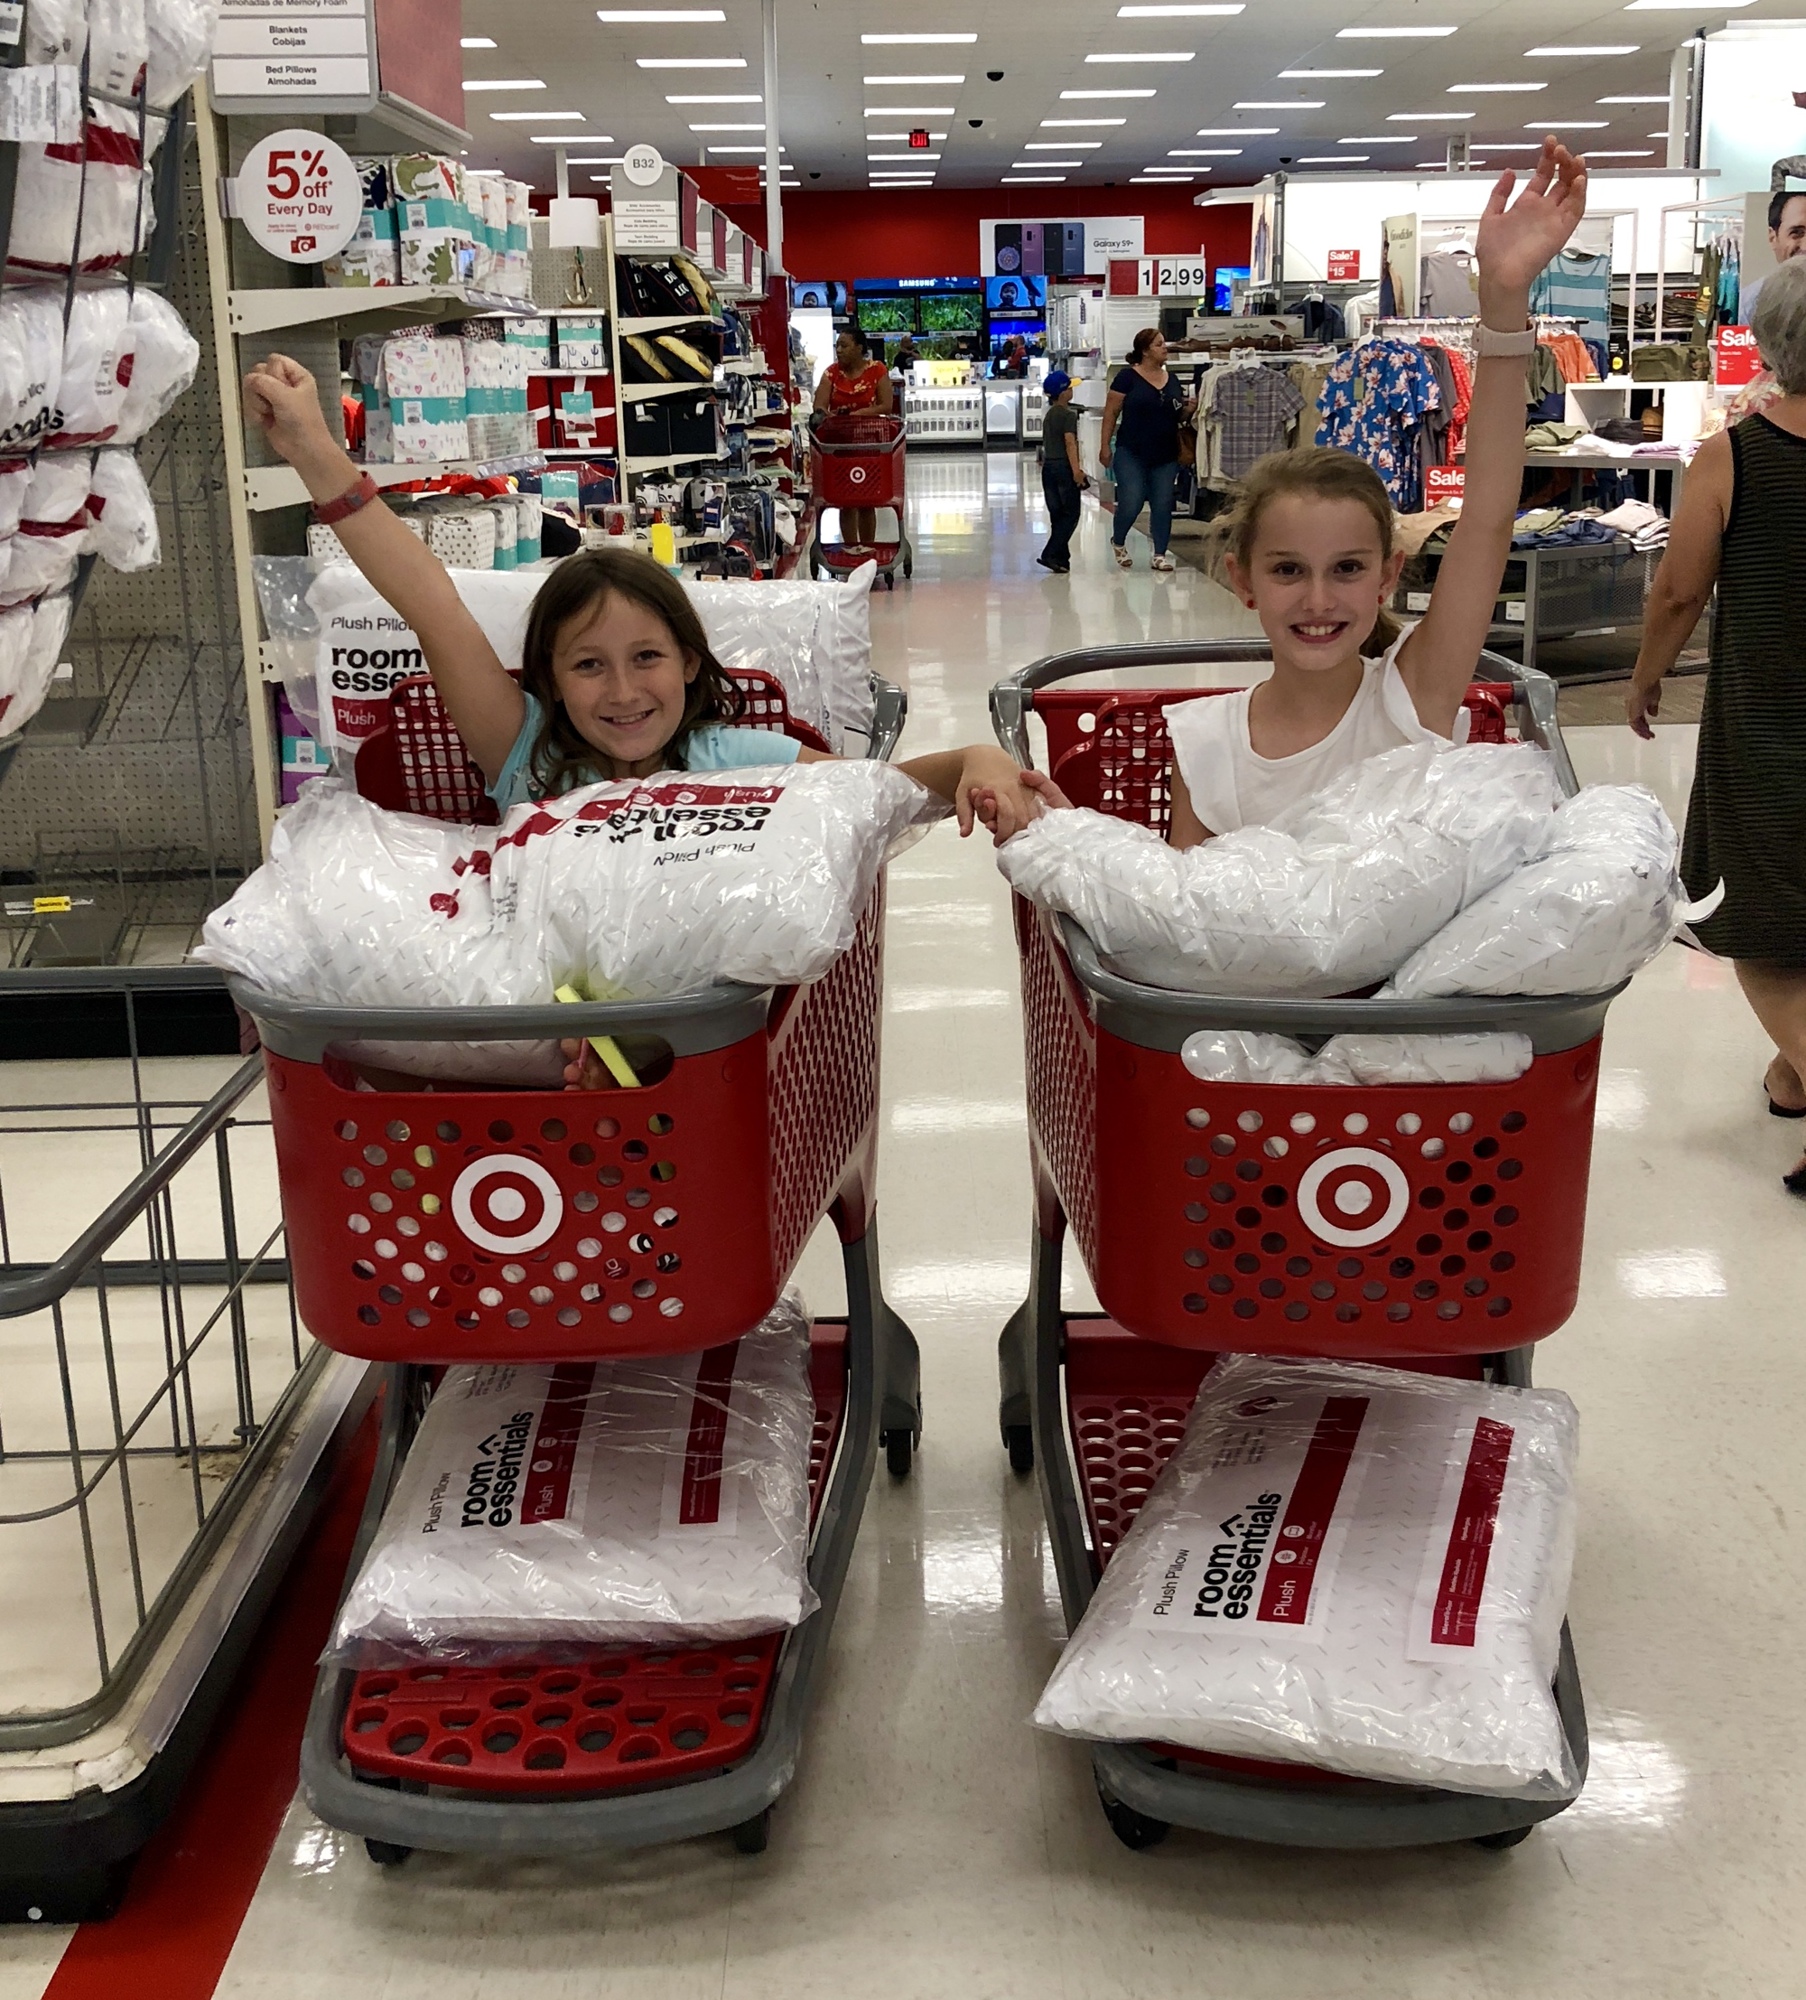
(854, 381)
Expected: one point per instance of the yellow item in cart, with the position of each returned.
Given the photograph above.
(705, 292)
(605, 1046)
(651, 356)
(691, 359)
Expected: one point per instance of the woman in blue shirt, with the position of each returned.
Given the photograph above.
(1140, 445)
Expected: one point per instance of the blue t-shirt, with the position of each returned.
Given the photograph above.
(713, 746)
(1147, 426)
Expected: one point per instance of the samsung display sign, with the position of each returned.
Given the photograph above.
(869, 288)
(1077, 248)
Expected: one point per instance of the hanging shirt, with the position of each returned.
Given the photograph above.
(1449, 290)
(1147, 427)
(1573, 285)
(1373, 404)
(1254, 407)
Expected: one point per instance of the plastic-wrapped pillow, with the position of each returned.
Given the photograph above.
(1234, 1055)
(31, 638)
(1595, 906)
(181, 34)
(164, 361)
(679, 1505)
(15, 482)
(1345, 1566)
(31, 365)
(1332, 896)
(114, 210)
(56, 31)
(99, 345)
(124, 515)
(118, 45)
(53, 531)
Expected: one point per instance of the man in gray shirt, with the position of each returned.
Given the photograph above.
(1062, 477)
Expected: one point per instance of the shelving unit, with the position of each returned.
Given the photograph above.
(272, 486)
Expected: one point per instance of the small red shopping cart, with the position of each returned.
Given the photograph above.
(431, 1225)
(856, 460)
(1438, 1226)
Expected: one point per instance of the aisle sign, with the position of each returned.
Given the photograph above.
(1344, 267)
(269, 50)
(1736, 360)
(644, 197)
(300, 196)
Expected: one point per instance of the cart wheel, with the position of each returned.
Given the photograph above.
(1132, 1828)
(899, 1450)
(814, 564)
(753, 1836)
(1019, 1442)
(385, 1853)
(1513, 1836)
(909, 565)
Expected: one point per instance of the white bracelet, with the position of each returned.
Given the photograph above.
(1489, 343)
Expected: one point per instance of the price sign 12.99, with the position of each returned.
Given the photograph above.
(300, 196)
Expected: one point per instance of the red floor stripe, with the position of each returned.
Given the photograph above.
(194, 1882)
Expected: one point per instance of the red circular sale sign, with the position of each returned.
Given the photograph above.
(300, 196)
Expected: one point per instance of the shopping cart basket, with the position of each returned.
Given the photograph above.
(856, 460)
(654, 1219)
(1436, 1226)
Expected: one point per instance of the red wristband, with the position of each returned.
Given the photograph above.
(328, 511)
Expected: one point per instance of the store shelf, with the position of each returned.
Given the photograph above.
(365, 308)
(746, 365)
(270, 486)
(588, 374)
(672, 463)
(643, 392)
(664, 322)
(577, 451)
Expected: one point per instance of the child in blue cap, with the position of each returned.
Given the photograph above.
(1062, 477)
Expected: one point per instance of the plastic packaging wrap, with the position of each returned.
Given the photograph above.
(638, 890)
(54, 530)
(1345, 1566)
(114, 207)
(124, 516)
(1234, 1055)
(165, 357)
(1601, 900)
(56, 31)
(118, 45)
(31, 365)
(99, 353)
(1333, 895)
(181, 35)
(31, 638)
(598, 1502)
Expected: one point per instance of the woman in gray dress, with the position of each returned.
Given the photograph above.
(1741, 526)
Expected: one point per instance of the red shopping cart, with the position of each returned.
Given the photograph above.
(660, 1218)
(856, 460)
(1435, 1226)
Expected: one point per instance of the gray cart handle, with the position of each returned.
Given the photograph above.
(1533, 693)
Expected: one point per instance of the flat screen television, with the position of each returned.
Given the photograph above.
(829, 292)
(883, 315)
(950, 312)
(1222, 296)
(1021, 297)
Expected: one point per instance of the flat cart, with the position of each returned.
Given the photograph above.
(1434, 1226)
(629, 1221)
(857, 460)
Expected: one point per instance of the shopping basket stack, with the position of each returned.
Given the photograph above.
(659, 1219)
(856, 460)
(1437, 1226)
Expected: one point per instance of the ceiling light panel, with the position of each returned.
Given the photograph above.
(1332, 159)
(504, 83)
(886, 156)
(742, 149)
(536, 117)
(475, 42)
(909, 110)
(879, 41)
(572, 139)
(890, 77)
(1584, 49)
(1148, 56)
(1107, 93)
(1381, 139)
(1661, 97)
(1031, 164)
(1427, 117)
(1238, 131)
(1674, 6)
(1503, 89)
(1305, 75)
(1391, 34)
(1568, 124)
(733, 128)
(1047, 123)
(1031, 180)
(1274, 104)
(1179, 13)
(690, 62)
(754, 98)
(1204, 152)
(1061, 145)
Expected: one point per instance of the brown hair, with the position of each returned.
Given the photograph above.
(561, 757)
(1323, 473)
(1139, 346)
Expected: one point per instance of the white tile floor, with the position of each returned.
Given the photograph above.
(933, 1844)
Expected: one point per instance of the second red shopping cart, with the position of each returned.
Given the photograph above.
(856, 461)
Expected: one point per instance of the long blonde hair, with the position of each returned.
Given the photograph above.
(1323, 473)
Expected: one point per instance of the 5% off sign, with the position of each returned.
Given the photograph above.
(300, 196)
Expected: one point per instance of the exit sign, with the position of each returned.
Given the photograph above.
(918, 139)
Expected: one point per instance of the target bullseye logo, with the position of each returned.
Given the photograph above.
(1353, 1197)
(507, 1204)
(857, 475)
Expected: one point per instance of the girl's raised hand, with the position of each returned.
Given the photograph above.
(283, 400)
(1517, 238)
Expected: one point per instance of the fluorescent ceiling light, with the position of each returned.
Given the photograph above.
(1238, 131)
(1046, 123)
(1031, 180)
(1671, 6)
(872, 41)
(891, 156)
(1159, 180)
(535, 117)
(1177, 13)
(1426, 117)
(592, 160)
(1331, 159)
(572, 139)
(623, 16)
(504, 83)
(475, 42)
(1107, 93)
(1061, 145)
(1031, 164)
(690, 62)
(899, 78)
(1175, 173)
(1162, 55)
(1476, 89)
(727, 128)
(1661, 97)
(1510, 146)
(1273, 104)
(1383, 139)
(1203, 152)
(754, 98)
(1390, 34)
(1570, 124)
(1584, 49)
(742, 149)
(909, 110)
(1295, 73)
(1648, 153)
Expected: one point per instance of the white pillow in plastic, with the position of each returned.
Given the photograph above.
(598, 1502)
(99, 347)
(53, 532)
(164, 361)
(181, 39)
(31, 638)
(118, 45)
(56, 31)
(1345, 1566)
(1234, 1055)
(115, 213)
(31, 365)
(1597, 905)
(123, 513)
(1332, 896)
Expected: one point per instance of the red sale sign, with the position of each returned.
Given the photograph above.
(1443, 482)
(1344, 266)
(1735, 358)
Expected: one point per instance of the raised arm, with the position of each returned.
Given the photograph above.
(480, 695)
(1684, 582)
(1514, 243)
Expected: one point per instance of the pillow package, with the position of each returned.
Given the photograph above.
(31, 365)
(53, 530)
(99, 349)
(31, 638)
(1234, 1055)
(1332, 896)
(164, 359)
(123, 514)
(107, 194)
(596, 1503)
(1346, 1566)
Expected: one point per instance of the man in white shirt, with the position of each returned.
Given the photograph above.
(1786, 239)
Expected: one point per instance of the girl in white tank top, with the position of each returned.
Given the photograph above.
(1311, 552)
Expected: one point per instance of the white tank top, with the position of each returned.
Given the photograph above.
(1232, 785)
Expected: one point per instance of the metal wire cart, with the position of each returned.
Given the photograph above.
(1200, 1212)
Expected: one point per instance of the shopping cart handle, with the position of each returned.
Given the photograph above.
(1158, 1017)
